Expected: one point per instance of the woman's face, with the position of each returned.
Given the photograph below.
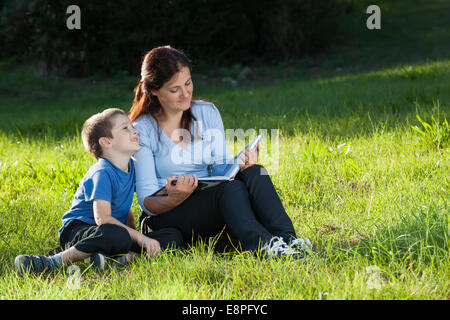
(176, 94)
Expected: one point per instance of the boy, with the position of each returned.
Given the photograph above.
(100, 222)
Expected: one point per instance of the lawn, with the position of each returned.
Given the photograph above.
(362, 168)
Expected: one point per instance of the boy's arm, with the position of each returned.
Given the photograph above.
(131, 222)
(102, 214)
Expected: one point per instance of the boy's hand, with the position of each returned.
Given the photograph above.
(152, 246)
(183, 189)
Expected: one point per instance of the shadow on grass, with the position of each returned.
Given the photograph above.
(332, 108)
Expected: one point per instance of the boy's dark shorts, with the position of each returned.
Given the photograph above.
(111, 239)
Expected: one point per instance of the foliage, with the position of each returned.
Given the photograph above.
(114, 35)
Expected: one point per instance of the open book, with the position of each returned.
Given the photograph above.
(225, 171)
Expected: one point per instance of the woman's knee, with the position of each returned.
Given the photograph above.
(235, 186)
(256, 169)
(176, 239)
(168, 238)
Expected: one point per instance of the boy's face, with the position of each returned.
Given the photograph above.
(125, 137)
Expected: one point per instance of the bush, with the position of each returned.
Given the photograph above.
(114, 35)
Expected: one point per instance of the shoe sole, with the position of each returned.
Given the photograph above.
(20, 267)
(98, 260)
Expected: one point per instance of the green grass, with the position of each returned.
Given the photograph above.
(365, 187)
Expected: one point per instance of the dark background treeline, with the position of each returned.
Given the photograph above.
(212, 32)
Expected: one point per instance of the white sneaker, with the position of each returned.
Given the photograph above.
(278, 248)
(302, 245)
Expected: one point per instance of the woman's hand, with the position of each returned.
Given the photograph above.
(249, 158)
(152, 246)
(183, 189)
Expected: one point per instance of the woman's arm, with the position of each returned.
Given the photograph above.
(158, 204)
(146, 179)
(176, 194)
(248, 158)
(146, 184)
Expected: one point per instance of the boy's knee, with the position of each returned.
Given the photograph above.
(116, 238)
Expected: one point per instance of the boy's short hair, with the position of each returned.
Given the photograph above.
(97, 126)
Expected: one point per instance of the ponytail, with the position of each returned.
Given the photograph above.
(141, 103)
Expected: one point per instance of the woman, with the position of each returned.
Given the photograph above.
(173, 133)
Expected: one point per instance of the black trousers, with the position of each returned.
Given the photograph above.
(111, 239)
(249, 207)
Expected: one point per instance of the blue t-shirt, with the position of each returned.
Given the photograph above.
(107, 182)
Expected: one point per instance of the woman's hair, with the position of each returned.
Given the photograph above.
(158, 67)
(97, 126)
